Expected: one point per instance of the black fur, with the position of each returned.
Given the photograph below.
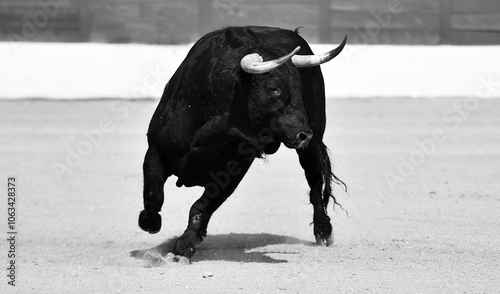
(214, 119)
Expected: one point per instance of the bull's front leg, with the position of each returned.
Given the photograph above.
(318, 170)
(155, 176)
(199, 216)
(230, 170)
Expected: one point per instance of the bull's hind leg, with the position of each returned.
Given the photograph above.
(226, 177)
(154, 180)
(316, 163)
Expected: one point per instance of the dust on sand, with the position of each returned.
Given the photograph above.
(416, 224)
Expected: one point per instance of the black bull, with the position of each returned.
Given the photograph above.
(239, 94)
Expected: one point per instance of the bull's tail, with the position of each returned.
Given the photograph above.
(328, 178)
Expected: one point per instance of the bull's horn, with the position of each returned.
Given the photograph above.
(313, 60)
(254, 64)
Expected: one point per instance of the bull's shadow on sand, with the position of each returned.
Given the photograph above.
(228, 247)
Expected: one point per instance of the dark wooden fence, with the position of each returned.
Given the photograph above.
(471, 22)
(41, 20)
(181, 21)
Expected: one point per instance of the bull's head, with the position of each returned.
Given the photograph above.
(275, 97)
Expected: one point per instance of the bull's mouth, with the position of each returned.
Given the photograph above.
(295, 145)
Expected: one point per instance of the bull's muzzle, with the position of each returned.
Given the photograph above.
(301, 140)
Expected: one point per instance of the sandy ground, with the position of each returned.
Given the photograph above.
(435, 230)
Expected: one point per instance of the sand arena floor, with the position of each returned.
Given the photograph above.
(423, 203)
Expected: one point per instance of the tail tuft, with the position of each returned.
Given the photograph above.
(328, 178)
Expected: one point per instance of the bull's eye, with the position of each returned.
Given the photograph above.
(273, 91)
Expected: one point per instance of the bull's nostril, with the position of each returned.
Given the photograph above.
(302, 136)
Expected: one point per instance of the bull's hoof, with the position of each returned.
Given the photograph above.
(323, 230)
(327, 241)
(184, 245)
(170, 257)
(150, 221)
